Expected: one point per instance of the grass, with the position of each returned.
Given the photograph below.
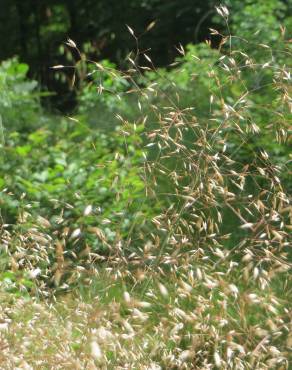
(200, 280)
(180, 322)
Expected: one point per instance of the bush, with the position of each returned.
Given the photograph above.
(19, 99)
(68, 184)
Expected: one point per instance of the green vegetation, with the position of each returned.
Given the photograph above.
(151, 228)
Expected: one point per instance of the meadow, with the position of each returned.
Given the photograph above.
(151, 228)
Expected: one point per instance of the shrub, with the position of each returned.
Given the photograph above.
(19, 98)
(66, 183)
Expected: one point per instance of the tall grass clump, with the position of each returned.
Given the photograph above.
(198, 278)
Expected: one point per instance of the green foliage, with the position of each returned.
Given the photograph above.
(258, 21)
(256, 84)
(188, 83)
(19, 99)
(174, 225)
(103, 97)
(18, 284)
(62, 169)
(66, 176)
(34, 30)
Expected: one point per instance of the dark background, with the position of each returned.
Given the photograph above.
(35, 29)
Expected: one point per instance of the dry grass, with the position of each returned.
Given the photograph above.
(191, 321)
(197, 292)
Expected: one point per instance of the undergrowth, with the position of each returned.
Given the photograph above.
(163, 245)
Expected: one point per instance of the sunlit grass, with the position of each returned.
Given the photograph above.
(179, 323)
(164, 244)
